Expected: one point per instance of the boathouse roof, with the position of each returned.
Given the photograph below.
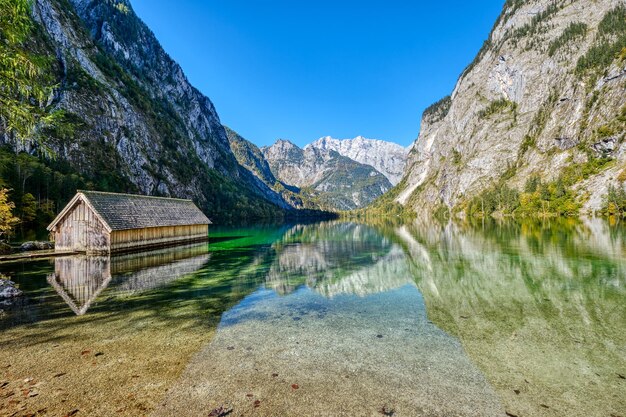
(130, 211)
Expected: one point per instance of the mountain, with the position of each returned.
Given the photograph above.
(131, 119)
(325, 176)
(535, 123)
(387, 157)
(251, 157)
(311, 178)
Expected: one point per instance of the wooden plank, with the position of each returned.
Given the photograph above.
(158, 236)
(35, 255)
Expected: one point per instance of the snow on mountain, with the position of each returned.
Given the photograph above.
(387, 157)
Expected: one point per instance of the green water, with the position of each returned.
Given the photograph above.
(340, 318)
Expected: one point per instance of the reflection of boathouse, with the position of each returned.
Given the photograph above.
(96, 222)
(79, 280)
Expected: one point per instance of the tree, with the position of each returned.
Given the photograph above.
(7, 219)
(615, 200)
(26, 79)
(28, 208)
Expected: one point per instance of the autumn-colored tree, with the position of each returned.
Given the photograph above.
(26, 80)
(7, 219)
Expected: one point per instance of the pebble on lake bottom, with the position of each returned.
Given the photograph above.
(387, 411)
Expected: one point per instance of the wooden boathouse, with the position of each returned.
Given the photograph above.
(96, 222)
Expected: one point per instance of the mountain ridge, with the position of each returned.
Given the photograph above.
(136, 123)
(339, 181)
(386, 157)
(311, 177)
(546, 90)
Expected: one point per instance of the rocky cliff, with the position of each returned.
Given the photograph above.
(387, 157)
(251, 157)
(536, 121)
(333, 180)
(310, 178)
(137, 124)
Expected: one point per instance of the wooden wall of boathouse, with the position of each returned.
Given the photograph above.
(125, 240)
(81, 231)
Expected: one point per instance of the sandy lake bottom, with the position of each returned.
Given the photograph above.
(327, 319)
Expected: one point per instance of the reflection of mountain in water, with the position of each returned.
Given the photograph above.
(79, 280)
(541, 308)
(337, 258)
(301, 349)
(387, 273)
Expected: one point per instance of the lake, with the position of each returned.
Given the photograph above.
(329, 319)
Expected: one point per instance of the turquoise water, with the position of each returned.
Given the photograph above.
(343, 318)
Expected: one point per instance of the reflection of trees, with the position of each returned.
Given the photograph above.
(334, 258)
(135, 274)
(531, 301)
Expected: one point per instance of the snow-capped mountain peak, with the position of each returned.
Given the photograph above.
(387, 157)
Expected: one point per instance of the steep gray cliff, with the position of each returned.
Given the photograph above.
(137, 124)
(545, 98)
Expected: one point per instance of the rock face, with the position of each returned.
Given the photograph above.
(250, 156)
(544, 94)
(387, 157)
(333, 180)
(138, 124)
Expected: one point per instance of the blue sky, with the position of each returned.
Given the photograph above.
(300, 70)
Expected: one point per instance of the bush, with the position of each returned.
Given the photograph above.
(456, 157)
(605, 131)
(528, 142)
(532, 184)
(499, 198)
(497, 106)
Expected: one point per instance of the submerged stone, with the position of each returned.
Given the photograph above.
(8, 289)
